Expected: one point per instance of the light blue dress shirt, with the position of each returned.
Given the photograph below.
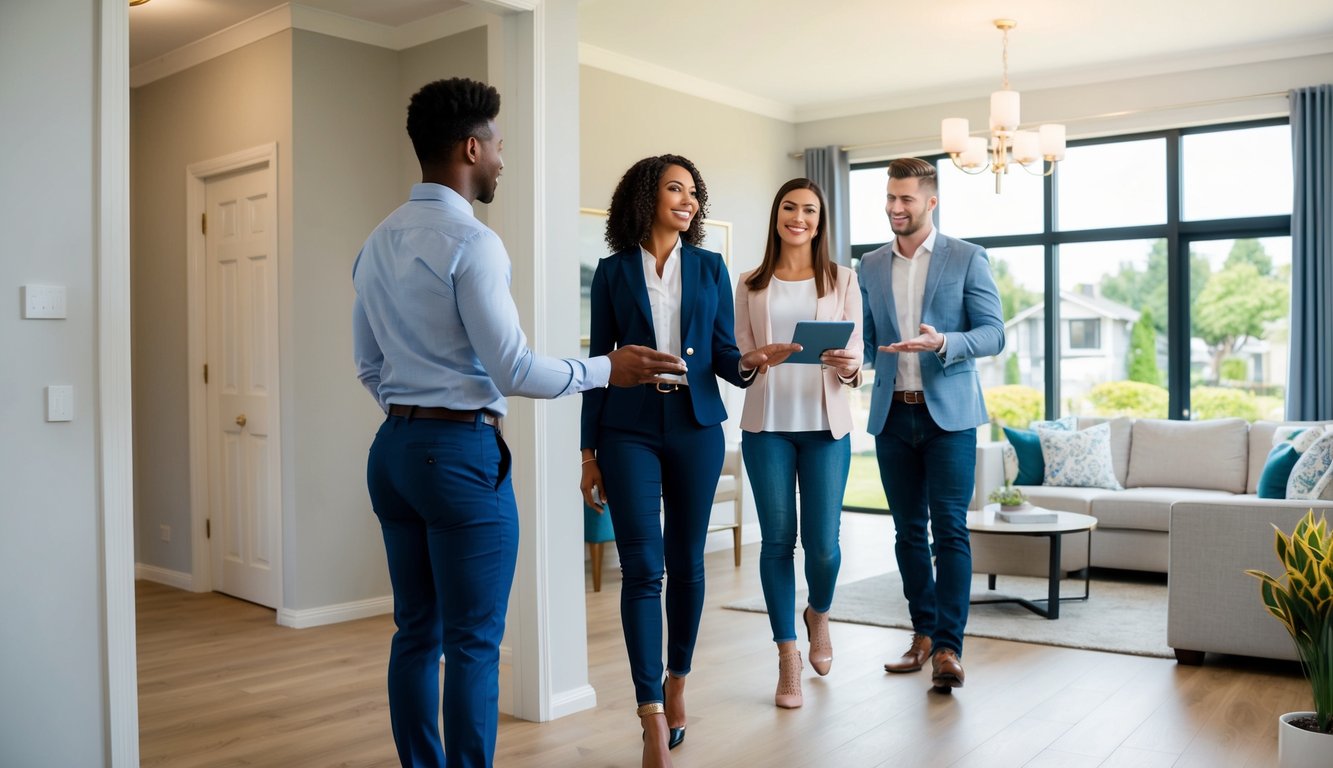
(433, 321)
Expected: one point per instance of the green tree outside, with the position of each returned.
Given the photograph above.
(1236, 305)
(1142, 363)
(1128, 398)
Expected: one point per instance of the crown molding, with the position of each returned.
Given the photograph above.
(620, 64)
(296, 16)
(1065, 78)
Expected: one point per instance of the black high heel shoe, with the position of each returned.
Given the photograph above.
(677, 735)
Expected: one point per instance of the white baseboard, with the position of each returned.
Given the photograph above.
(571, 701)
(332, 614)
(177, 579)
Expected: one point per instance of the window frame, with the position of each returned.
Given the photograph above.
(1178, 233)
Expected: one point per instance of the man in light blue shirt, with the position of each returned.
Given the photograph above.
(438, 344)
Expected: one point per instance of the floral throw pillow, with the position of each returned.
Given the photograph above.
(1312, 477)
(1078, 459)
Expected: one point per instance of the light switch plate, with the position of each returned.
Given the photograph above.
(44, 302)
(60, 402)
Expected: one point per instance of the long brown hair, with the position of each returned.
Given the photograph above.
(825, 271)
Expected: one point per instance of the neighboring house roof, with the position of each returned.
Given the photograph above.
(1096, 304)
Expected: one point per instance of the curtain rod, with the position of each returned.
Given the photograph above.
(1103, 116)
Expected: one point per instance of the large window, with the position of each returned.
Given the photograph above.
(1170, 268)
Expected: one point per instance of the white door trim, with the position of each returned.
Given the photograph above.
(196, 180)
(114, 401)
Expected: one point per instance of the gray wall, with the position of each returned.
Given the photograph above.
(337, 110)
(231, 103)
(52, 675)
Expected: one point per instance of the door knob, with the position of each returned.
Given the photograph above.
(240, 420)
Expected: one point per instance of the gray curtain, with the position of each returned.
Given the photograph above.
(827, 167)
(1310, 380)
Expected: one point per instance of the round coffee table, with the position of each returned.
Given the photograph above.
(983, 521)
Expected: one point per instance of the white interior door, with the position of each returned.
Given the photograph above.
(244, 472)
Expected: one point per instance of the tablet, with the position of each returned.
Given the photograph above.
(815, 336)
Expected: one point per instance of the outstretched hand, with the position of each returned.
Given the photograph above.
(634, 364)
(767, 356)
(930, 340)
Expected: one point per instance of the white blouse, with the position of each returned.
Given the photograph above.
(664, 300)
(793, 394)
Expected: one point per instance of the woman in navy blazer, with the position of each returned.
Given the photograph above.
(660, 446)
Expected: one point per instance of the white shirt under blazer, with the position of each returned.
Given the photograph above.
(841, 301)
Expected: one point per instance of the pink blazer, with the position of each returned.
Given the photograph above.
(753, 330)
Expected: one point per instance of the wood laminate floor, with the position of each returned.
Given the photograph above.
(222, 685)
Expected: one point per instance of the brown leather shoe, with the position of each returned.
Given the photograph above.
(946, 669)
(914, 658)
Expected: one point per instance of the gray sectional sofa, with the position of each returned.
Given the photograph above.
(1188, 509)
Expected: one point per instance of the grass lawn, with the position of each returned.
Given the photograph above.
(863, 486)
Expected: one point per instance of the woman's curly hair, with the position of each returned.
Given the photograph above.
(634, 203)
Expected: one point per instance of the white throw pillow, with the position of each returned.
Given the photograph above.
(1078, 459)
(1312, 477)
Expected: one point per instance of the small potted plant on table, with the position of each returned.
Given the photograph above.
(1008, 497)
(1303, 601)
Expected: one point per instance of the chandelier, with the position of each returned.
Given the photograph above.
(1043, 148)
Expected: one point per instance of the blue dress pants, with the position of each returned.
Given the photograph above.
(777, 462)
(442, 492)
(928, 475)
(660, 480)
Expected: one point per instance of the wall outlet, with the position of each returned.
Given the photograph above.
(165, 532)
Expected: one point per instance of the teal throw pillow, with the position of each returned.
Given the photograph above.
(1031, 468)
(1281, 461)
(1031, 465)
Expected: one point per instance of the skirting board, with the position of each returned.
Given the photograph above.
(177, 579)
(332, 614)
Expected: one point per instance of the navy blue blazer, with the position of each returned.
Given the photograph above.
(621, 315)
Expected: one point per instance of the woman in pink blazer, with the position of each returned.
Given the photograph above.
(796, 422)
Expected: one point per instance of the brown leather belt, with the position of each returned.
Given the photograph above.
(444, 414)
(910, 396)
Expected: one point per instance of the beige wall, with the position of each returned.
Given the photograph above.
(743, 156)
(231, 103)
(53, 675)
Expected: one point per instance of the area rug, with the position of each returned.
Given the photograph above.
(1123, 615)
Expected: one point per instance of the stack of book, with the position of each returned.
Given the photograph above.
(1028, 514)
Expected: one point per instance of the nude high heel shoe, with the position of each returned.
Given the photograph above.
(821, 647)
(788, 695)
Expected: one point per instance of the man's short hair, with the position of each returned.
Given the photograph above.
(916, 168)
(446, 112)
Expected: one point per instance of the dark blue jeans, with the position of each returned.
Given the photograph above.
(660, 480)
(776, 463)
(928, 475)
(442, 492)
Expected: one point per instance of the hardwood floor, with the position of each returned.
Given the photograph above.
(222, 685)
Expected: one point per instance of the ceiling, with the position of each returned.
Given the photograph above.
(811, 60)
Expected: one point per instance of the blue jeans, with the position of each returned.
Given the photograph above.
(442, 492)
(776, 463)
(928, 475)
(660, 479)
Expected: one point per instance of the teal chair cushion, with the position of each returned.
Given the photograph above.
(597, 527)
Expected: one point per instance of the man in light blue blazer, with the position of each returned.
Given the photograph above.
(931, 308)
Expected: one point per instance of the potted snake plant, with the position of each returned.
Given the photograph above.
(1301, 598)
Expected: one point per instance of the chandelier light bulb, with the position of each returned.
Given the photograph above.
(1006, 144)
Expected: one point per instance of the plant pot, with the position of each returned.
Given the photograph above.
(1299, 748)
(1013, 507)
